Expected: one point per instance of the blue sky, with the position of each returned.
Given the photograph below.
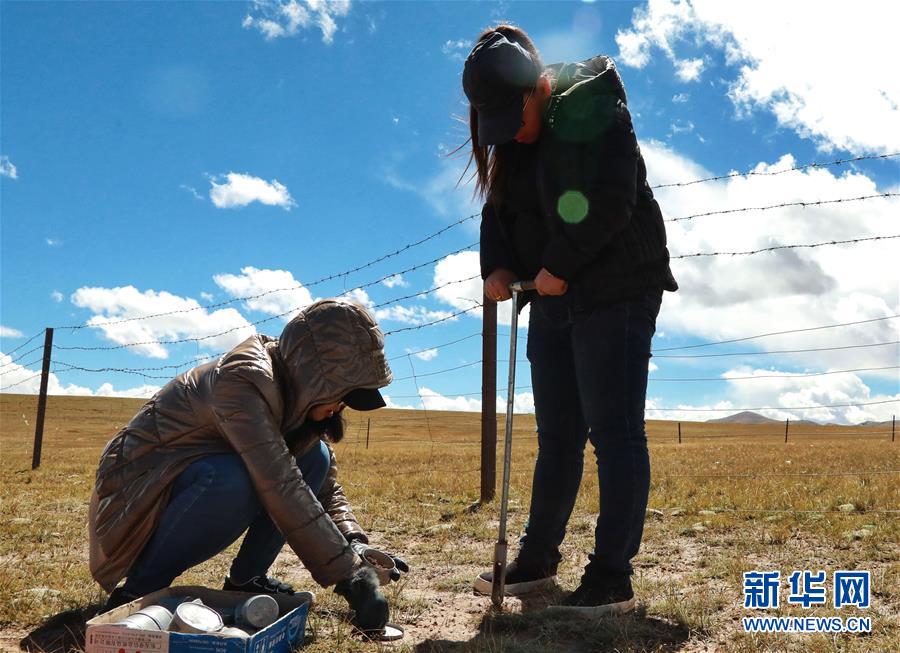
(159, 157)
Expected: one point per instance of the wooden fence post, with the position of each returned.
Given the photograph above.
(42, 401)
(786, 424)
(679, 432)
(488, 400)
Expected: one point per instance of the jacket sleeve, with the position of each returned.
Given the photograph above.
(246, 421)
(336, 505)
(601, 173)
(494, 251)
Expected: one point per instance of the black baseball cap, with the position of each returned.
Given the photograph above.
(364, 399)
(495, 75)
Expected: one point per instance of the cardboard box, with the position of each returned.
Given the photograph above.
(103, 636)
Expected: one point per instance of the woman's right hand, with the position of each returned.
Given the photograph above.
(496, 286)
(370, 607)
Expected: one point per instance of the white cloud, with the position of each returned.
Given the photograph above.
(844, 101)
(192, 191)
(425, 355)
(8, 168)
(56, 296)
(28, 381)
(240, 190)
(290, 299)
(688, 70)
(730, 297)
(681, 98)
(681, 126)
(465, 295)
(457, 49)
(282, 18)
(9, 332)
(207, 297)
(784, 395)
(53, 242)
(107, 390)
(115, 304)
(442, 191)
(412, 315)
(359, 296)
(396, 280)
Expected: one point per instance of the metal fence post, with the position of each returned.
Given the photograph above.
(488, 400)
(787, 423)
(42, 400)
(679, 432)
(368, 428)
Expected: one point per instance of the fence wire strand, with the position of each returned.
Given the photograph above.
(773, 173)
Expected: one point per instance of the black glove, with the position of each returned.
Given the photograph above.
(366, 600)
(360, 548)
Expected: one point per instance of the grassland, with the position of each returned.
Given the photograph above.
(728, 499)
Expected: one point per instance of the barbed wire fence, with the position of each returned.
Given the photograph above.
(13, 359)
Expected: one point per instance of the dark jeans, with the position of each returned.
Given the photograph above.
(589, 376)
(212, 503)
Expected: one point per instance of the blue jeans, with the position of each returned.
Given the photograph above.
(212, 502)
(589, 376)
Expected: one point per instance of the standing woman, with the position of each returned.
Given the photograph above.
(568, 205)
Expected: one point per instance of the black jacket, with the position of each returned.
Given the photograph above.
(577, 202)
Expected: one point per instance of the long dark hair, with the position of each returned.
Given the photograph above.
(331, 428)
(491, 161)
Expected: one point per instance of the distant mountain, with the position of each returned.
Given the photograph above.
(745, 417)
(749, 417)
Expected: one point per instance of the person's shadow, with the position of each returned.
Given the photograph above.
(61, 633)
(536, 628)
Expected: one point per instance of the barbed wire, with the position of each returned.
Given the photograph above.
(424, 408)
(432, 323)
(424, 292)
(780, 333)
(15, 349)
(752, 173)
(441, 346)
(753, 252)
(780, 408)
(783, 205)
(778, 351)
(411, 269)
(449, 369)
(15, 360)
(776, 376)
(13, 385)
(246, 326)
(23, 366)
(123, 370)
(298, 286)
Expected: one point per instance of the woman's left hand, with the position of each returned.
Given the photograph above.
(547, 284)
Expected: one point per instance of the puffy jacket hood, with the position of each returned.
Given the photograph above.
(584, 101)
(330, 348)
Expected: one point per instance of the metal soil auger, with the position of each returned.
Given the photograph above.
(499, 578)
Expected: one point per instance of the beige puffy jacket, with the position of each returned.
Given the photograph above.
(244, 402)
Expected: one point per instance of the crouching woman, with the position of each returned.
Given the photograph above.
(243, 444)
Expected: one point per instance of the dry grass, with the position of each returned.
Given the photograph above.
(412, 489)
